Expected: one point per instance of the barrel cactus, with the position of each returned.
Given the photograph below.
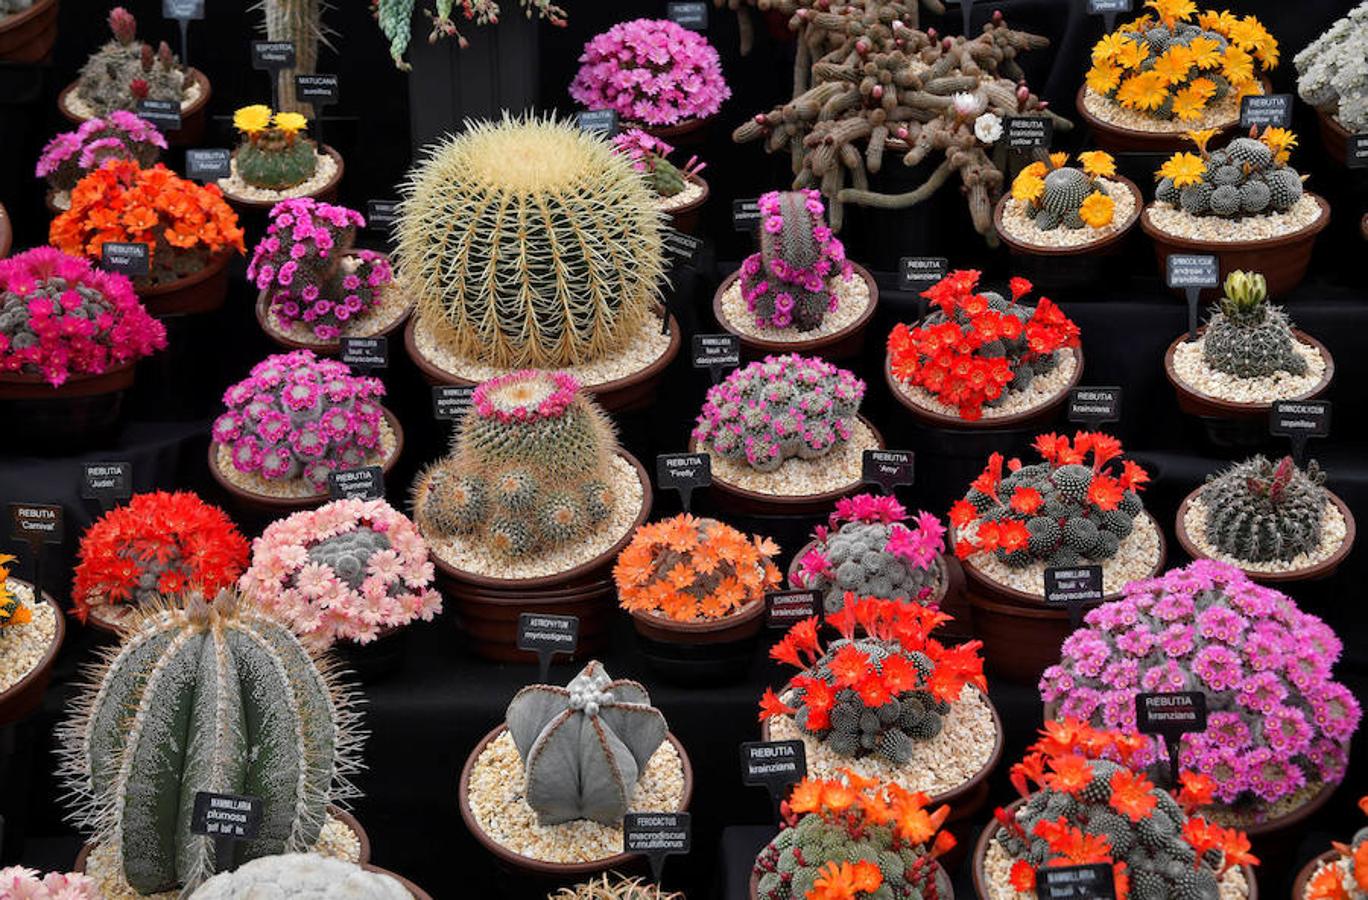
(1262, 511)
(1054, 194)
(213, 697)
(304, 876)
(786, 284)
(125, 70)
(529, 242)
(1247, 336)
(615, 887)
(584, 745)
(273, 155)
(1248, 177)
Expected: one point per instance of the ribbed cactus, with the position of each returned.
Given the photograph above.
(125, 70)
(1261, 511)
(303, 876)
(1247, 177)
(1247, 336)
(529, 470)
(8, 7)
(584, 745)
(529, 243)
(274, 154)
(212, 697)
(785, 284)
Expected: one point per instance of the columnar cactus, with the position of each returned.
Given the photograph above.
(778, 408)
(1262, 511)
(587, 271)
(1247, 336)
(1054, 193)
(529, 470)
(584, 745)
(125, 70)
(303, 876)
(866, 549)
(1247, 177)
(1061, 512)
(273, 154)
(786, 283)
(212, 697)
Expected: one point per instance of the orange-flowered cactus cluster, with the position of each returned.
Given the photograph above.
(12, 611)
(689, 568)
(1346, 876)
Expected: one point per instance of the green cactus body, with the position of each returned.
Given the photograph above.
(790, 864)
(1242, 179)
(786, 284)
(214, 697)
(665, 177)
(1261, 511)
(274, 160)
(1247, 336)
(861, 564)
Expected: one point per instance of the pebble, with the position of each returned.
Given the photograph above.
(394, 305)
(469, 555)
(235, 188)
(1175, 221)
(22, 647)
(997, 871)
(1042, 391)
(1221, 114)
(854, 300)
(841, 468)
(961, 750)
(295, 488)
(497, 783)
(1191, 368)
(82, 110)
(692, 191)
(1023, 230)
(1333, 532)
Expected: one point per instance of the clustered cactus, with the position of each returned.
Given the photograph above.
(120, 135)
(1055, 194)
(852, 838)
(1276, 721)
(588, 269)
(786, 284)
(212, 697)
(650, 156)
(1064, 511)
(867, 549)
(12, 610)
(1265, 511)
(125, 70)
(585, 745)
(273, 155)
(1248, 177)
(1079, 806)
(615, 887)
(529, 470)
(304, 876)
(298, 416)
(778, 408)
(1344, 877)
(876, 694)
(1330, 71)
(1247, 336)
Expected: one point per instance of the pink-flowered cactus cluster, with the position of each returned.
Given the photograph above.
(491, 401)
(298, 416)
(780, 407)
(119, 135)
(310, 271)
(60, 316)
(786, 283)
(651, 71)
(344, 571)
(1276, 721)
(22, 883)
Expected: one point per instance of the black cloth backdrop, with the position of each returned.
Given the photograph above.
(426, 719)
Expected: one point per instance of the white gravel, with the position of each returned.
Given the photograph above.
(1333, 533)
(1175, 221)
(1023, 230)
(296, 488)
(1221, 114)
(22, 647)
(236, 189)
(691, 192)
(997, 871)
(1191, 369)
(82, 110)
(1042, 391)
(393, 306)
(497, 785)
(843, 467)
(854, 300)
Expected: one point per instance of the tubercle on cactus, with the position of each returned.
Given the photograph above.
(1259, 511)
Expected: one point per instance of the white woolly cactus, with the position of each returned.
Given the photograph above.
(301, 876)
(1332, 71)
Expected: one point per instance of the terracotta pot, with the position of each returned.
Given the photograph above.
(1334, 136)
(1281, 260)
(1117, 139)
(741, 501)
(627, 394)
(688, 133)
(322, 348)
(6, 228)
(1308, 871)
(1027, 419)
(539, 872)
(27, 36)
(417, 892)
(1020, 634)
(193, 117)
(1198, 404)
(700, 653)
(279, 506)
(940, 895)
(1323, 569)
(377, 660)
(26, 694)
(82, 411)
(685, 218)
(203, 291)
(327, 193)
(1055, 268)
(847, 343)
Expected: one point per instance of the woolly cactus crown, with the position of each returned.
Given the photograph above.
(1330, 71)
(304, 876)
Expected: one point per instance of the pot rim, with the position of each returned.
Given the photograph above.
(808, 345)
(1024, 248)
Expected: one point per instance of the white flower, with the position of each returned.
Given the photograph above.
(988, 128)
(968, 105)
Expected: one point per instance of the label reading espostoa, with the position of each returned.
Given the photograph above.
(273, 55)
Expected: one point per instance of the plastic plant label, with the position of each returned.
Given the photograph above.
(546, 635)
(746, 214)
(1266, 110)
(598, 121)
(683, 472)
(273, 55)
(106, 482)
(366, 483)
(1192, 272)
(1027, 132)
(1094, 405)
(1170, 715)
(365, 352)
(1299, 420)
(693, 16)
(682, 248)
(1098, 7)
(887, 468)
(165, 114)
(450, 402)
(37, 523)
(1356, 151)
(381, 214)
(231, 816)
(774, 765)
(208, 163)
(916, 273)
(784, 608)
(1073, 587)
(1091, 882)
(185, 10)
(126, 259)
(657, 835)
(318, 89)
(716, 352)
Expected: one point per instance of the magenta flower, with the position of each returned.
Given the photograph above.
(651, 71)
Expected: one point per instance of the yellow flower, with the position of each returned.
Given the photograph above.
(1037, 168)
(1190, 102)
(1206, 52)
(1248, 33)
(1172, 11)
(1058, 159)
(252, 119)
(1027, 188)
(1097, 210)
(1219, 22)
(1184, 169)
(290, 122)
(1144, 91)
(1109, 47)
(1243, 89)
(1174, 64)
(1237, 65)
(1131, 55)
(1098, 163)
(1267, 53)
(1140, 25)
(1103, 78)
(1202, 138)
(1280, 141)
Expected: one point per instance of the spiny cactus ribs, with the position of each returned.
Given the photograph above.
(529, 471)
(1247, 336)
(1054, 194)
(778, 408)
(125, 70)
(1262, 511)
(786, 284)
(1247, 177)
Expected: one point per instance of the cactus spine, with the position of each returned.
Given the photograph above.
(301, 23)
(1247, 336)
(1261, 511)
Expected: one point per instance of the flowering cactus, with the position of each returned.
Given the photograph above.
(297, 416)
(12, 610)
(650, 157)
(1276, 722)
(309, 270)
(785, 284)
(60, 316)
(343, 571)
(780, 407)
(1345, 876)
(651, 71)
(120, 135)
(126, 70)
(22, 883)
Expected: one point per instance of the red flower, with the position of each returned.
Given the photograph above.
(1105, 492)
(899, 674)
(1023, 877)
(771, 707)
(873, 693)
(1133, 476)
(962, 513)
(1026, 500)
(1132, 795)
(1020, 287)
(849, 665)
(1069, 774)
(1012, 535)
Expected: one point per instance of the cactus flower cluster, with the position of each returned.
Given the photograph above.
(119, 135)
(1247, 177)
(12, 611)
(1345, 877)
(1056, 194)
(786, 284)
(274, 154)
(23, 883)
(650, 156)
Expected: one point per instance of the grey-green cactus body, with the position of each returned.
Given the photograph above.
(861, 565)
(1247, 336)
(1262, 511)
(275, 161)
(1243, 179)
(1015, 350)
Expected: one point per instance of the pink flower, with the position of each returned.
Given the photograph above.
(650, 71)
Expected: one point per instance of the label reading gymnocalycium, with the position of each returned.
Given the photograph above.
(106, 482)
(598, 121)
(1095, 881)
(364, 352)
(746, 214)
(1356, 151)
(1027, 132)
(273, 55)
(1266, 110)
(366, 483)
(450, 402)
(693, 16)
(917, 273)
(784, 608)
(683, 472)
(1192, 272)
(546, 635)
(887, 468)
(1073, 587)
(318, 88)
(126, 259)
(208, 163)
(1094, 405)
(657, 835)
(231, 816)
(1293, 418)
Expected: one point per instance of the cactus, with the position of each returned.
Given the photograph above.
(13, 611)
(212, 697)
(584, 745)
(529, 469)
(1054, 194)
(125, 70)
(273, 155)
(69, 156)
(301, 875)
(787, 284)
(1330, 74)
(778, 408)
(1261, 511)
(1248, 177)
(1344, 876)
(615, 887)
(585, 270)
(395, 20)
(1247, 336)
(301, 23)
(9, 7)
(650, 156)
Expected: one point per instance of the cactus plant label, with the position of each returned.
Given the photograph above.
(774, 765)
(365, 353)
(272, 56)
(916, 273)
(1356, 151)
(546, 635)
(693, 16)
(683, 248)
(1094, 405)
(450, 402)
(602, 122)
(746, 214)
(1299, 420)
(366, 483)
(165, 114)
(1095, 881)
(38, 524)
(1028, 132)
(1073, 587)
(320, 89)
(226, 818)
(183, 9)
(1171, 714)
(716, 352)
(1192, 272)
(683, 472)
(381, 214)
(208, 163)
(1266, 110)
(657, 835)
(888, 468)
(1108, 9)
(126, 259)
(106, 482)
(783, 609)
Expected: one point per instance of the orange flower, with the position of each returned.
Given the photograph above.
(1105, 492)
(1097, 210)
(1144, 91)
(1069, 774)
(806, 796)
(1026, 500)
(1132, 795)
(849, 665)
(868, 878)
(1198, 790)
(1327, 885)
(837, 796)
(772, 707)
